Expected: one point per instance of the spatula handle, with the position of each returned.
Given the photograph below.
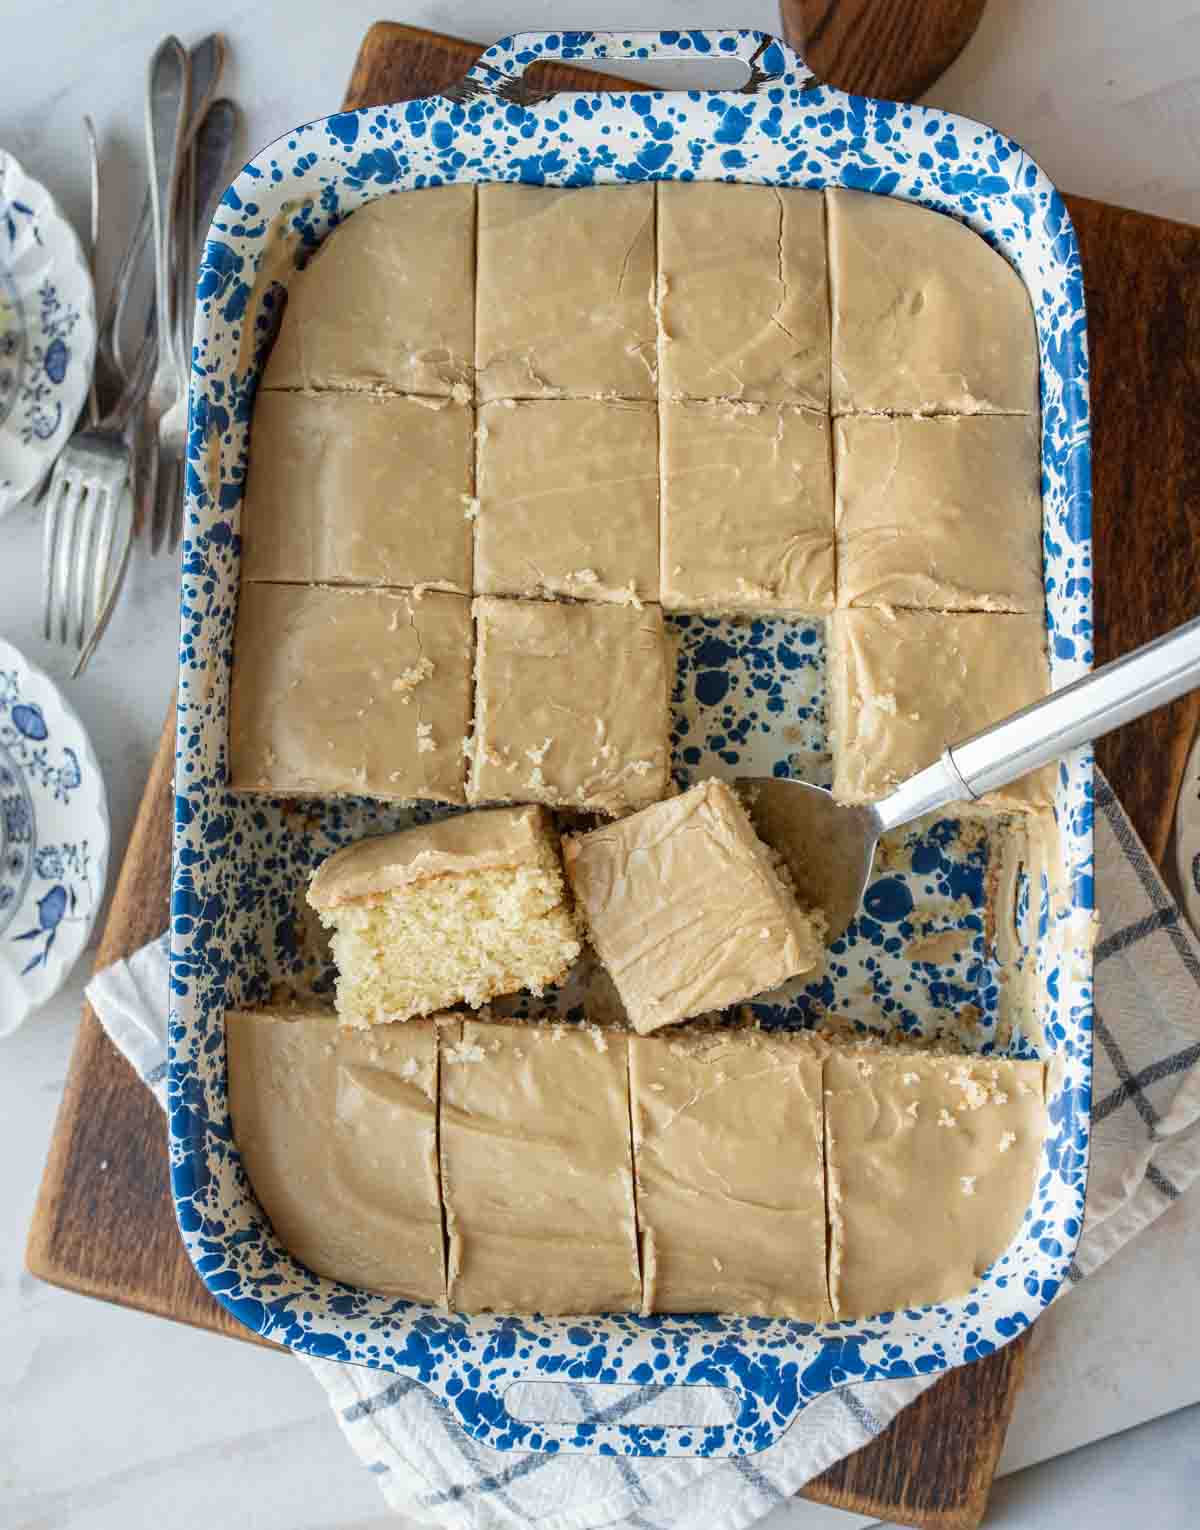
(1129, 687)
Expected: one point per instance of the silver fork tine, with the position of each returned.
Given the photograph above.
(100, 551)
(68, 537)
(124, 503)
(50, 538)
(81, 562)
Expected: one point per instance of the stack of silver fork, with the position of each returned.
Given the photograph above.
(121, 476)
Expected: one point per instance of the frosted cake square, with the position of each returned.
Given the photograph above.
(687, 908)
(905, 684)
(927, 317)
(359, 692)
(387, 301)
(564, 292)
(338, 1136)
(568, 500)
(570, 705)
(359, 488)
(747, 509)
(537, 1170)
(743, 303)
(939, 514)
(729, 1174)
(931, 1162)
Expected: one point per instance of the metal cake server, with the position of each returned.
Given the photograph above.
(829, 847)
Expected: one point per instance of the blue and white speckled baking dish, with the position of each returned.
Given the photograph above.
(748, 697)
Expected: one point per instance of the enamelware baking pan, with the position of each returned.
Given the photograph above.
(749, 699)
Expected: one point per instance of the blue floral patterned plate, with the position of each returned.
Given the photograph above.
(749, 699)
(47, 331)
(53, 838)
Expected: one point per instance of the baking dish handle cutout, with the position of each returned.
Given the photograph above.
(500, 71)
(595, 1402)
(724, 1415)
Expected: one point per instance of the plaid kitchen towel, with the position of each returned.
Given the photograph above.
(1145, 1152)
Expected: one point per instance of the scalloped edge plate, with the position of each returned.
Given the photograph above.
(47, 331)
(1187, 837)
(54, 838)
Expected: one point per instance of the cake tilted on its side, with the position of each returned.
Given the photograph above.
(338, 1137)
(452, 912)
(687, 908)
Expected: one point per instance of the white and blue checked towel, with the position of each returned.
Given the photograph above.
(1145, 1152)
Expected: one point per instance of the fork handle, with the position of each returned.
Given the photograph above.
(167, 93)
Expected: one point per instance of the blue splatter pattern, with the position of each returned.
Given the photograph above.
(748, 696)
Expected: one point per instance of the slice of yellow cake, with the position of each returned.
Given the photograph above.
(454, 912)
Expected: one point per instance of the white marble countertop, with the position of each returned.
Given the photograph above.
(110, 1420)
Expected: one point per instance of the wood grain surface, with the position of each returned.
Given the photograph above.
(877, 47)
(1142, 283)
(104, 1224)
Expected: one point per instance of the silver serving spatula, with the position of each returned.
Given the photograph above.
(829, 848)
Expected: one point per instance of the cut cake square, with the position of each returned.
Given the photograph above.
(359, 488)
(350, 692)
(338, 1136)
(387, 301)
(537, 1170)
(931, 1162)
(568, 500)
(564, 292)
(747, 509)
(927, 317)
(905, 684)
(730, 1182)
(939, 514)
(743, 301)
(570, 705)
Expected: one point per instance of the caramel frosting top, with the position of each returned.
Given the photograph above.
(537, 1170)
(905, 684)
(570, 705)
(742, 296)
(730, 1184)
(941, 514)
(337, 1132)
(927, 317)
(686, 909)
(387, 301)
(488, 840)
(931, 1163)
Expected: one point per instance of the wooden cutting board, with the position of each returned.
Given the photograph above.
(111, 1233)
